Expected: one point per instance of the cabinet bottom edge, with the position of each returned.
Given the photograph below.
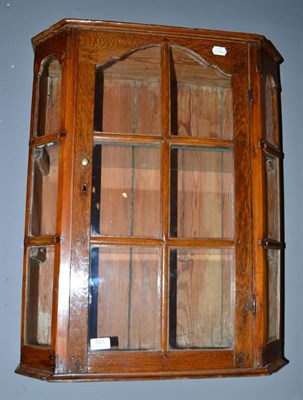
(111, 376)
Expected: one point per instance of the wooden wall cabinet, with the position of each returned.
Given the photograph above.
(154, 243)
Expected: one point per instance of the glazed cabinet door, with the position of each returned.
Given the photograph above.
(161, 279)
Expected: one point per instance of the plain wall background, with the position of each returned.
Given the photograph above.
(279, 20)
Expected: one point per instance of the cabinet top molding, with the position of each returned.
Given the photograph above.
(162, 30)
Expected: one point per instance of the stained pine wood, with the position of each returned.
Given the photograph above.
(200, 97)
(128, 279)
(147, 195)
(130, 191)
(273, 198)
(273, 260)
(116, 191)
(272, 111)
(205, 194)
(204, 299)
(39, 302)
(49, 109)
(50, 194)
(129, 94)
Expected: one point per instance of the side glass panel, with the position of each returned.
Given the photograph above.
(124, 298)
(271, 111)
(201, 98)
(49, 98)
(40, 272)
(273, 262)
(273, 196)
(44, 190)
(202, 198)
(126, 190)
(128, 94)
(201, 309)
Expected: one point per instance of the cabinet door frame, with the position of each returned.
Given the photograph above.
(163, 362)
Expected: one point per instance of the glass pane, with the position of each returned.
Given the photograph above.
(40, 271)
(273, 197)
(201, 98)
(125, 297)
(45, 190)
(49, 98)
(273, 258)
(201, 311)
(128, 94)
(271, 109)
(202, 197)
(126, 190)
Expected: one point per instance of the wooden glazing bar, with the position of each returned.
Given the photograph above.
(43, 140)
(209, 243)
(124, 241)
(165, 184)
(41, 240)
(105, 137)
(200, 142)
(165, 233)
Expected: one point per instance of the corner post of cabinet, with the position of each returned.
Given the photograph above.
(243, 218)
(66, 162)
(258, 211)
(80, 237)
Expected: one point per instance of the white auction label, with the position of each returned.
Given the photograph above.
(100, 343)
(219, 51)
